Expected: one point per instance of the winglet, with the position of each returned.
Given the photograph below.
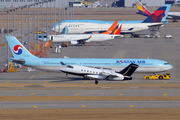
(166, 13)
(62, 63)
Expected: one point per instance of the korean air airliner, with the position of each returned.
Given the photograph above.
(155, 20)
(24, 57)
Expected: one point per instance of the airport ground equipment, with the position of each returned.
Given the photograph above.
(168, 36)
(158, 77)
(3, 70)
(12, 68)
(135, 36)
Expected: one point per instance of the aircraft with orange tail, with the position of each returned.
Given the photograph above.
(75, 39)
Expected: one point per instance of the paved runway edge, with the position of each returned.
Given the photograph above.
(89, 98)
(92, 114)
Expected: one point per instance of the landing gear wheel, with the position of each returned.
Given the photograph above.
(160, 77)
(96, 82)
(174, 20)
(66, 75)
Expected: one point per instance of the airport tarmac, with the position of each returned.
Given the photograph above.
(40, 91)
(88, 104)
(94, 92)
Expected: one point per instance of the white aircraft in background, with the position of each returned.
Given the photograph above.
(145, 12)
(74, 39)
(99, 73)
(129, 27)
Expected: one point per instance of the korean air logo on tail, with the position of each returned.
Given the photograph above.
(18, 49)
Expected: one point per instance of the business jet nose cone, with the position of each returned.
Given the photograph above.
(63, 69)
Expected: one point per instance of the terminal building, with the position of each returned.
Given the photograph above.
(65, 3)
(149, 3)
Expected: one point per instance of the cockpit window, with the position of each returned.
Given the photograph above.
(70, 66)
(166, 63)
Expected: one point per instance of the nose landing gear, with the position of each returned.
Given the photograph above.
(96, 82)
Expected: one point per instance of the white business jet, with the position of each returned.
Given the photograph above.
(99, 73)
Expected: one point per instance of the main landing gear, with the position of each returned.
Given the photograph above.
(66, 75)
(96, 82)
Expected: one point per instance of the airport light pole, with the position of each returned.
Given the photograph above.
(50, 18)
(62, 11)
(19, 28)
(34, 31)
(29, 28)
(38, 26)
(59, 3)
(42, 25)
(13, 22)
(46, 17)
(67, 10)
(55, 16)
(22, 24)
(7, 35)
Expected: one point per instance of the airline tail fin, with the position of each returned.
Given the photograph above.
(118, 32)
(142, 10)
(157, 15)
(111, 29)
(128, 71)
(145, 12)
(18, 50)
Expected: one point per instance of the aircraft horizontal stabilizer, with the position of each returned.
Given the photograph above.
(21, 61)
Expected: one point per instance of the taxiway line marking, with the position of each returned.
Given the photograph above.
(164, 82)
(31, 77)
(121, 94)
(7, 81)
(35, 106)
(125, 82)
(77, 94)
(85, 81)
(165, 94)
(23, 74)
(131, 105)
(83, 105)
(46, 81)
(33, 93)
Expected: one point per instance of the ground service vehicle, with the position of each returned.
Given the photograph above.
(160, 76)
(168, 36)
(135, 36)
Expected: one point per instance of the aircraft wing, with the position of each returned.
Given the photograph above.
(155, 26)
(107, 74)
(174, 16)
(83, 40)
(21, 61)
